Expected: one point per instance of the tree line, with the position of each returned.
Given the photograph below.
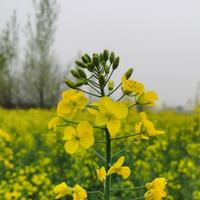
(33, 79)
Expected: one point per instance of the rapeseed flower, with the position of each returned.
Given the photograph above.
(131, 86)
(119, 169)
(109, 113)
(156, 189)
(81, 136)
(77, 192)
(146, 127)
(148, 98)
(101, 174)
(54, 122)
(71, 102)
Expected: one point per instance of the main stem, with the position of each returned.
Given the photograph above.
(108, 163)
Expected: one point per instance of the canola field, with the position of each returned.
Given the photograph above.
(33, 159)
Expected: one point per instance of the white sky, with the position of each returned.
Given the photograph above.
(160, 38)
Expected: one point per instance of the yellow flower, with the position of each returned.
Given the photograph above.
(71, 102)
(131, 86)
(81, 136)
(146, 128)
(79, 193)
(101, 174)
(119, 169)
(156, 189)
(110, 113)
(62, 190)
(5, 135)
(148, 98)
(54, 122)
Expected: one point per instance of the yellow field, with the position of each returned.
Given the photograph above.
(33, 160)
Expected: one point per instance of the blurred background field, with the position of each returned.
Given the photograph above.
(33, 160)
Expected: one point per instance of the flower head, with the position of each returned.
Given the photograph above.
(146, 127)
(119, 169)
(131, 86)
(77, 192)
(62, 190)
(71, 102)
(101, 174)
(148, 98)
(110, 113)
(156, 189)
(81, 136)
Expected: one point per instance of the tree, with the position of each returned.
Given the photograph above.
(8, 57)
(41, 74)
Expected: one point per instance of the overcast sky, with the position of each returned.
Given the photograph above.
(159, 38)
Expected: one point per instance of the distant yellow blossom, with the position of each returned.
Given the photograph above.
(81, 136)
(119, 169)
(146, 127)
(71, 102)
(156, 189)
(131, 86)
(110, 113)
(101, 174)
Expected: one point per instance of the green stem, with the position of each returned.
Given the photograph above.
(122, 189)
(108, 163)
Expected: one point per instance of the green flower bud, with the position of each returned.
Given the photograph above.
(106, 69)
(110, 85)
(96, 61)
(70, 84)
(115, 63)
(90, 67)
(101, 80)
(82, 73)
(112, 57)
(80, 64)
(128, 73)
(105, 54)
(81, 82)
(75, 73)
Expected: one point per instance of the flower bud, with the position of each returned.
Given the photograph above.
(95, 61)
(80, 64)
(75, 73)
(70, 84)
(115, 63)
(105, 54)
(106, 69)
(128, 73)
(101, 80)
(90, 67)
(81, 82)
(110, 85)
(82, 73)
(112, 57)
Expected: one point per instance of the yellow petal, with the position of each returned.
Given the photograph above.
(124, 172)
(86, 141)
(71, 146)
(68, 133)
(113, 127)
(101, 119)
(84, 128)
(119, 162)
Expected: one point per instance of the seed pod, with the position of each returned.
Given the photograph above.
(115, 63)
(105, 54)
(128, 73)
(106, 69)
(112, 57)
(70, 84)
(101, 80)
(110, 85)
(82, 73)
(75, 73)
(80, 64)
